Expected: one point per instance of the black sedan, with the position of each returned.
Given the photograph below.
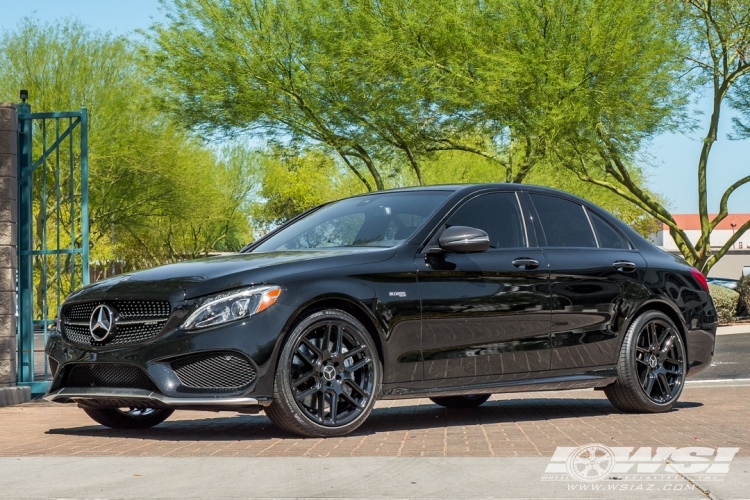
(446, 292)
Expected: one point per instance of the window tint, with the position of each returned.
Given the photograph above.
(377, 220)
(607, 235)
(339, 232)
(564, 222)
(496, 214)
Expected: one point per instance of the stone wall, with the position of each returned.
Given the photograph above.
(8, 235)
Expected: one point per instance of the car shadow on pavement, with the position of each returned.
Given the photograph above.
(240, 427)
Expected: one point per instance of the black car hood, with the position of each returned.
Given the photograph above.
(190, 279)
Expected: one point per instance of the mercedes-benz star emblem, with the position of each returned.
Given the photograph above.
(102, 323)
(329, 373)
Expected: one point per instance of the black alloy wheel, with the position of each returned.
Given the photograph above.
(328, 376)
(659, 361)
(652, 366)
(465, 401)
(129, 418)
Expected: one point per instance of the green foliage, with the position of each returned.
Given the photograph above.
(291, 184)
(725, 301)
(743, 288)
(156, 194)
(389, 84)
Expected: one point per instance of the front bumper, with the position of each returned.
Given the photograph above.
(255, 340)
(138, 397)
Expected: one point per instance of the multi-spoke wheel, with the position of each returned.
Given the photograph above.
(328, 376)
(652, 366)
(466, 401)
(129, 418)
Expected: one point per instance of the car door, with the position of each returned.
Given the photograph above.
(594, 276)
(485, 314)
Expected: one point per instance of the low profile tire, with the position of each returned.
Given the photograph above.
(129, 418)
(328, 376)
(652, 366)
(468, 401)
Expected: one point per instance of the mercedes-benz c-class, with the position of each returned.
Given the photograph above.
(447, 292)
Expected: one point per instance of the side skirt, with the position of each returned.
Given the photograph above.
(597, 378)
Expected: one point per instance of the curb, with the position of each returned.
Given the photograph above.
(10, 396)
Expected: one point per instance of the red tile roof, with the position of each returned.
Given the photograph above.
(692, 221)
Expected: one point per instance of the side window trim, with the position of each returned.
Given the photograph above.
(591, 225)
(531, 220)
(522, 213)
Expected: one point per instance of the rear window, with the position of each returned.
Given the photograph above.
(607, 235)
(564, 222)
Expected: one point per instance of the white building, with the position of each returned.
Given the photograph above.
(738, 257)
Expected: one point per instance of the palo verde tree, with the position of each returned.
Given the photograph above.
(374, 81)
(714, 37)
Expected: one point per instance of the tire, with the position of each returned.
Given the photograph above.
(652, 366)
(133, 418)
(468, 401)
(328, 376)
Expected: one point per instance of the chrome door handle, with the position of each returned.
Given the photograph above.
(526, 263)
(624, 266)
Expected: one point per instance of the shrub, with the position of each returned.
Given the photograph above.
(743, 288)
(725, 301)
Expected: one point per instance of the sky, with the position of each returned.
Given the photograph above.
(675, 156)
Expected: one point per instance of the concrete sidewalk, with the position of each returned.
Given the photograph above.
(360, 478)
(734, 329)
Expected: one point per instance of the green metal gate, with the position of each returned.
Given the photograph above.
(53, 228)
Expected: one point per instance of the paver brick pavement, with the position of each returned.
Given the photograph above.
(527, 425)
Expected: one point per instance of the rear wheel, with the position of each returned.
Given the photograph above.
(468, 401)
(129, 418)
(328, 376)
(652, 366)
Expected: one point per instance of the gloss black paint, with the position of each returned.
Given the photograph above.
(444, 323)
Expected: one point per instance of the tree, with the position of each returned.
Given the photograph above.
(156, 194)
(371, 80)
(717, 36)
(289, 182)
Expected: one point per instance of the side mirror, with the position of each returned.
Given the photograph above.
(462, 239)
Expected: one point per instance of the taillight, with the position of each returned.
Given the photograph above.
(701, 279)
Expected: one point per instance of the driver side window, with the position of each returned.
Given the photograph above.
(497, 214)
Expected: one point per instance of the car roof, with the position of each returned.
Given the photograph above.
(469, 188)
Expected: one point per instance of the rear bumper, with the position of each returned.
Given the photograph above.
(700, 349)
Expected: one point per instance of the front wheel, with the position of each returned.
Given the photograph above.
(328, 376)
(129, 418)
(652, 366)
(468, 401)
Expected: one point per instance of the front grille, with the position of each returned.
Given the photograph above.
(125, 334)
(221, 371)
(108, 375)
(154, 315)
(128, 309)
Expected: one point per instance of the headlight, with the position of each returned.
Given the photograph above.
(231, 306)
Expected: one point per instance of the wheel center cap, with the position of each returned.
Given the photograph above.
(653, 362)
(329, 373)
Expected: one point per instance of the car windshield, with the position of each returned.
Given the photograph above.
(376, 220)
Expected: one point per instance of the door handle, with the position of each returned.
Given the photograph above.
(624, 266)
(526, 263)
